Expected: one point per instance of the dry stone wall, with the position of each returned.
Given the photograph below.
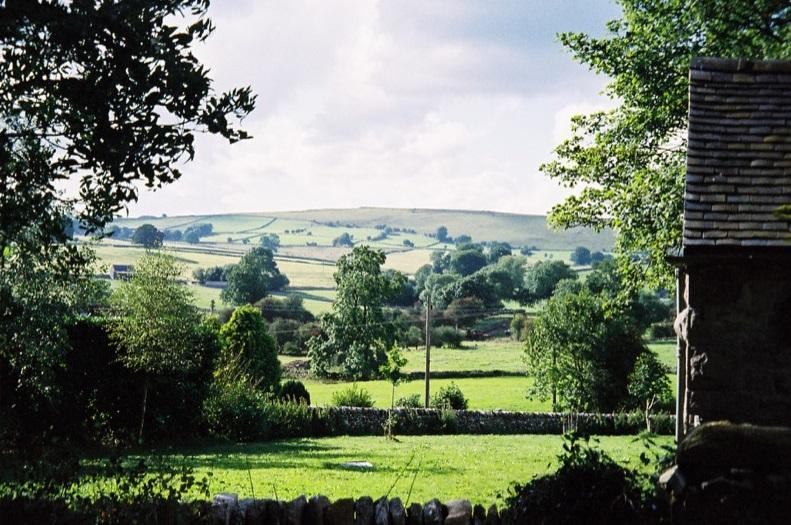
(228, 509)
(411, 421)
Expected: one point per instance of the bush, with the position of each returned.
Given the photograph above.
(249, 350)
(290, 348)
(410, 401)
(661, 330)
(447, 336)
(352, 396)
(293, 391)
(236, 410)
(449, 396)
(520, 326)
(589, 487)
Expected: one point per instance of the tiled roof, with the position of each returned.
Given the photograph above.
(739, 153)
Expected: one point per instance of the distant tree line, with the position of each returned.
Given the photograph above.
(149, 236)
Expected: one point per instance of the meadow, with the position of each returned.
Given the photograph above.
(414, 468)
(482, 393)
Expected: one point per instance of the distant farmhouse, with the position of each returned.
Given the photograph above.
(121, 271)
(734, 279)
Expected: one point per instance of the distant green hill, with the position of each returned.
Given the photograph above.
(519, 230)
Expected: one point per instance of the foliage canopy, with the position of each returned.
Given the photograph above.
(629, 161)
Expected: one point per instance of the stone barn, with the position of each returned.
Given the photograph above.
(734, 265)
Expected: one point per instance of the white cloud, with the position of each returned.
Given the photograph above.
(388, 104)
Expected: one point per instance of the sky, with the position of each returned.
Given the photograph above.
(398, 103)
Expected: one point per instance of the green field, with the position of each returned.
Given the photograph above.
(494, 354)
(483, 393)
(666, 350)
(464, 466)
(519, 230)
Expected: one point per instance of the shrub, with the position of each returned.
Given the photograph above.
(448, 420)
(294, 391)
(411, 337)
(662, 330)
(410, 401)
(236, 410)
(449, 396)
(352, 396)
(447, 336)
(291, 348)
(589, 487)
(288, 420)
(249, 350)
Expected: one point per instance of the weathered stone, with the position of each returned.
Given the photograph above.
(275, 512)
(459, 512)
(414, 515)
(478, 515)
(382, 512)
(397, 512)
(225, 508)
(341, 512)
(253, 511)
(295, 511)
(314, 513)
(492, 517)
(364, 511)
(432, 513)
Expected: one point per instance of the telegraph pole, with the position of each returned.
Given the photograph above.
(428, 346)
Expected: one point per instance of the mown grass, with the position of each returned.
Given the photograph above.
(666, 350)
(483, 393)
(478, 468)
(494, 354)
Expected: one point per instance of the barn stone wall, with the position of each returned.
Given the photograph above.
(735, 331)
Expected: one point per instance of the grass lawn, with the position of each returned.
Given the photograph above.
(494, 354)
(465, 466)
(666, 350)
(483, 393)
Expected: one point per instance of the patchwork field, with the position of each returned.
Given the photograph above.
(324, 225)
(414, 468)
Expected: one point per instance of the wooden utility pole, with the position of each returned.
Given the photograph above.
(428, 347)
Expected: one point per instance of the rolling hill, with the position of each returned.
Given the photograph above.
(519, 230)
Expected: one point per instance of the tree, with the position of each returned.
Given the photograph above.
(579, 356)
(596, 258)
(467, 262)
(464, 311)
(542, 278)
(270, 241)
(391, 370)
(462, 239)
(581, 256)
(105, 97)
(104, 94)
(497, 250)
(629, 162)
(343, 239)
(155, 322)
(440, 261)
(249, 352)
(355, 335)
(648, 384)
(148, 236)
(252, 277)
(194, 233)
(404, 293)
(442, 234)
